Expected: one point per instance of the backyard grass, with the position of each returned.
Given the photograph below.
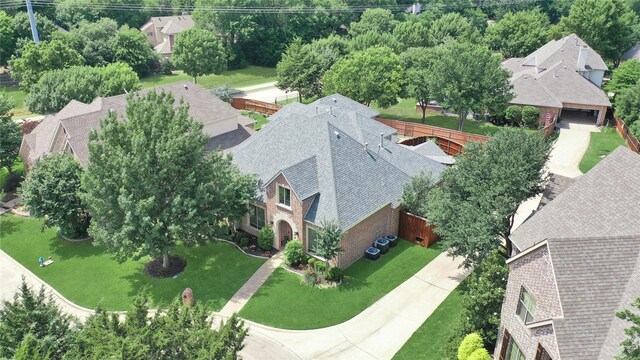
(405, 110)
(432, 337)
(18, 169)
(260, 119)
(284, 302)
(251, 75)
(86, 275)
(18, 96)
(600, 145)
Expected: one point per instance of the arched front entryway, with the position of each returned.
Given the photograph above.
(285, 233)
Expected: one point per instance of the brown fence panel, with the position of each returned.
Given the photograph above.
(416, 230)
(451, 141)
(628, 137)
(255, 105)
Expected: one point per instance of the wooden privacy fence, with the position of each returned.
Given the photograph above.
(450, 141)
(628, 137)
(416, 229)
(255, 105)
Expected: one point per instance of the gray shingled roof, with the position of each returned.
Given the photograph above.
(79, 119)
(352, 182)
(344, 103)
(184, 21)
(633, 53)
(556, 185)
(566, 50)
(596, 277)
(602, 202)
(431, 150)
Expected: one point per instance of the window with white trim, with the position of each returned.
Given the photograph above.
(256, 217)
(526, 306)
(514, 352)
(284, 196)
(312, 235)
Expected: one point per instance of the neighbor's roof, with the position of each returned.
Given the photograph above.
(566, 49)
(432, 151)
(332, 103)
(603, 202)
(182, 21)
(324, 157)
(633, 53)
(78, 119)
(596, 277)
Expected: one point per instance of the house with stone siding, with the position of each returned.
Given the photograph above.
(329, 160)
(576, 263)
(563, 78)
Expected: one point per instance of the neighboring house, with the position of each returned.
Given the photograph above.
(576, 263)
(560, 77)
(328, 160)
(161, 31)
(633, 53)
(68, 130)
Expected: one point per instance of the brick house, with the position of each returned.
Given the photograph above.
(576, 263)
(68, 130)
(162, 31)
(563, 78)
(328, 160)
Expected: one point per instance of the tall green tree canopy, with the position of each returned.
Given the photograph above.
(606, 25)
(420, 77)
(300, 70)
(412, 33)
(198, 52)
(93, 40)
(518, 34)
(187, 199)
(7, 37)
(10, 134)
(473, 210)
(377, 20)
(449, 27)
(415, 193)
(624, 77)
(51, 191)
(469, 78)
(36, 59)
(371, 75)
(631, 345)
(132, 47)
(82, 83)
(375, 39)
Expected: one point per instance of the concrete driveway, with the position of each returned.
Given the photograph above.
(575, 130)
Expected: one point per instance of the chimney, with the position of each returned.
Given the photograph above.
(382, 140)
(582, 58)
(186, 87)
(366, 146)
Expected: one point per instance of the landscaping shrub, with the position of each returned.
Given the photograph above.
(312, 262)
(12, 181)
(333, 274)
(321, 267)
(310, 277)
(530, 116)
(244, 241)
(293, 253)
(513, 114)
(471, 343)
(265, 238)
(480, 354)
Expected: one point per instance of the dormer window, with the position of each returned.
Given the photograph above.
(526, 306)
(284, 196)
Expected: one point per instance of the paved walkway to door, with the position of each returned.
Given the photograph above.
(242, 296)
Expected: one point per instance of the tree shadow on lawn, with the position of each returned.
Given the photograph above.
(65, 250)
(9, 226)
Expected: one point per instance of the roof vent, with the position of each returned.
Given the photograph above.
(366, 146)
(337, 134)
(334, 100)
(525, 77)
(316, 110)
(381, 140)
(186, 87)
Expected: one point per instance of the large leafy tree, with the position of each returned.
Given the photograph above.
(374, 39)
(10, 134)
(198, 52)
(7, 37)
(414, 194)
(376, 20)
(606, 25)
(449, 27)
(51, 191)
(624, 77)
(328, 238)
(628, 105)
(474, 208)
(93, 40)
(150, 184)
(299, 70)
(518, 34)
(35, 317)
(469, 78)
(36, 59)
(631, 345)
(132, 47)
(420, 79)
(56, 88)
(371, 75)
(412, 33)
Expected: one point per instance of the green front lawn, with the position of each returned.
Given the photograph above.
(251, 75)
(86, 275)
(260, 119)
(284, 302)
(405, 110)
(432, 337)
(600, 145)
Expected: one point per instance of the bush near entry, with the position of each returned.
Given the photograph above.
(265, 238)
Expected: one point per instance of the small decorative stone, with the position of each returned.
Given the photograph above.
(187, 297)
(267, 253)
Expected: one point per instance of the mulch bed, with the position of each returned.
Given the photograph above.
(176, 265)
(252, 248)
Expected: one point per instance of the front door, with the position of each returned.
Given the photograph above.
(284, 233)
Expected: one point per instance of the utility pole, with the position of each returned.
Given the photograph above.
(32, 20)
